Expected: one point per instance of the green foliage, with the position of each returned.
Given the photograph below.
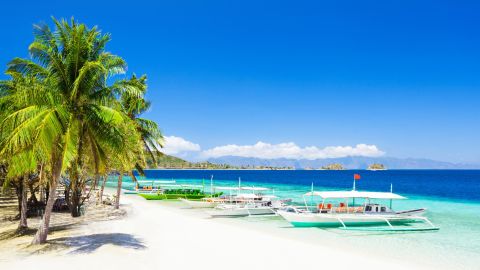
(376, 166)
(65, 111)
(174, 196)
(164, 161)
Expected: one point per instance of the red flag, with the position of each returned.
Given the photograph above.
(356, 176)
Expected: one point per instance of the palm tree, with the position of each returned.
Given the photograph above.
(125, 159)
(73, 112)
(150, 135)
(17, 167)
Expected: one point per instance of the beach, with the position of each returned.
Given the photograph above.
(165, 235)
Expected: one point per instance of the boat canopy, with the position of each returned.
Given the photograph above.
(242, 188)
(355, 194)
(181, 186)
(157, 181)
(226, 188)
(254, 188)
(247, 196)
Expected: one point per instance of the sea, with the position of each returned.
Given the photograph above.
(451, 197)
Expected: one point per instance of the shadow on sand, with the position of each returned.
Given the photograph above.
(90, 243)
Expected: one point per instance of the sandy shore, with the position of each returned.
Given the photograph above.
(156, 235)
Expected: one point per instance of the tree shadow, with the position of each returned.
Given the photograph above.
(15, 232)
(90, 243)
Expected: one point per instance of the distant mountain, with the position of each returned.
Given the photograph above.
(347, 162)
(170, 162)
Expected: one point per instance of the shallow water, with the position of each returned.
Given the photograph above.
(451, 198)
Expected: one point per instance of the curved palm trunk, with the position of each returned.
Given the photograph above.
(102, 188)
(75, 207)
(134, 178)
(42, 232)
(119, 189)
(33, 197)
(76, 177)
(23, 207)
(93, 188)
(95, 182)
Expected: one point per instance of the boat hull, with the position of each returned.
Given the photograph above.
(242, 212)
(199, 203)
(341, 220)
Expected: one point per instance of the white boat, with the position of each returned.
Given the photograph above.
(248, 204)
(203, 203)
(346, 214)
(242, 210)
(213, 202)
(148, 186)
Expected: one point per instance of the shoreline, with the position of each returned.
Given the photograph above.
(164, 234)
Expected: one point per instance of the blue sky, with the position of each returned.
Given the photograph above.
(402, 76)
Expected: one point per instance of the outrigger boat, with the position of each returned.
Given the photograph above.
(207, 202)
(348, 215)
(248, 204)
(174, 192)
(148, 186)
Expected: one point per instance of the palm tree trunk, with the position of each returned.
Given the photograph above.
(134, 178)
(42, 232)
(23, 209)
(102, 188)
(75, 208)
(95, 182)
(42, 194)
(33, 197)
(119, 189)
(41, 186)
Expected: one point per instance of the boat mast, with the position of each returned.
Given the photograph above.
(354, 182)
(391, 191)
(211, 185)
(311, 196)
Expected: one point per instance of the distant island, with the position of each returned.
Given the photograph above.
(376, 167)
(171, 162)
(349, 163)
(333, 167)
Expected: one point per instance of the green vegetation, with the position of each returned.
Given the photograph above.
(173, 194)
(334, 167)
(376, 166)
(68, 119)
(170, 162)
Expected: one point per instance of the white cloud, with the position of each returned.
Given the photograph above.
(176, 145)
(292, 151)
(180, 147)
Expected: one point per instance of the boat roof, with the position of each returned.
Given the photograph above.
(254, 188)
(355, 194)
(247, 196)
(242, 188)
(157, 181)
(227, 188)
(181, 186)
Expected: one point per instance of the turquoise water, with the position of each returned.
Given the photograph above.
(457, 243)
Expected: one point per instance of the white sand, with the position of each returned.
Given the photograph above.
(162, 237)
